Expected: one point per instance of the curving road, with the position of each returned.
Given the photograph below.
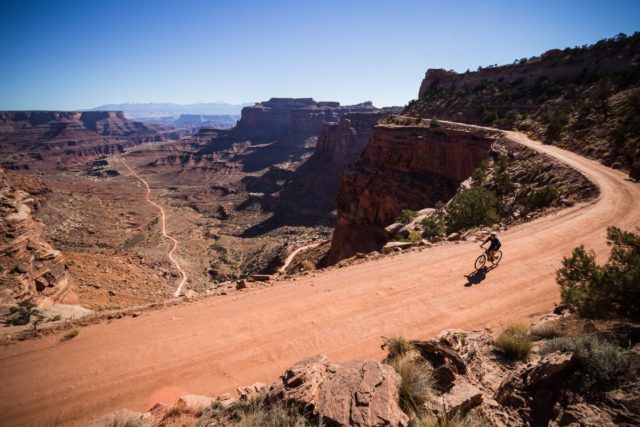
(293, 254)
(214, 345)
(163, 227)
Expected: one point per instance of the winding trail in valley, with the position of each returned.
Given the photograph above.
(163, 227)
(293, 254)
(214, 345)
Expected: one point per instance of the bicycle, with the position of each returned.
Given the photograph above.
(482, 259)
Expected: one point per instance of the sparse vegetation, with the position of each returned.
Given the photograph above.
(258, 412)
(545, 330)
(433, 226)
(514, 342)
(416, 384)
(434, 123)
(541, 198)
(600, 363)
(307, 265)
(471, 208)
(70, 335)
(610, 290)
(406, 216)
(396, 347)
(127, 422)
(22, 313)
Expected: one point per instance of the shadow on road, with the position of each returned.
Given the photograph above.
(477, 276)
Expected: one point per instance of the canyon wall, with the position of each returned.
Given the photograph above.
(27, 137)
(29, 267)
(402, 167)
(291, 120)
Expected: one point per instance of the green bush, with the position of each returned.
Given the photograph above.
(480, 174)
(406, 216)
(416, 384)
(600, 363)
(514, 342)
(610, 290)
(471, 208)
(433, 226)
(549, 329)
(434, 123)
(22, 313)
(541, 198)
(502, 179)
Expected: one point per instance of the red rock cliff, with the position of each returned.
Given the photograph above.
(402, 167)
(31, 268)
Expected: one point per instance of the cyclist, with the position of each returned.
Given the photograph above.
(493, 247)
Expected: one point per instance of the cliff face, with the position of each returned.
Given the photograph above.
(402, 167)
(585, 99)
(30, 267)
(26, 136)
(291, 120)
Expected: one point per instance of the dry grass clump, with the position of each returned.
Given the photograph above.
(71, 334)
(259, 412)
(416, 384)
(546, 330)
(514, 342)
(397, 346)
(308, 265)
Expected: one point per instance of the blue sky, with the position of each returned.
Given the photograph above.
(84, 53)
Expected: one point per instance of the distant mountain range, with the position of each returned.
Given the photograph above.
(154, 110)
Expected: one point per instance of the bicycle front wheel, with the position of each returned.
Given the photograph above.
(480, 261)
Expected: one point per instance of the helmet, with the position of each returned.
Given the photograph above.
(494, 234)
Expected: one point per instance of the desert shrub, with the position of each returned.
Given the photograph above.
(471, 208)
(258, 412)
(502, 182)
(396, 347)
(432, 226)
(555, 120)
(434, 123)
(514, 342)
(610, 290)
(541, 198)
(416, 384)
(307, 265)
(70, 335)
(480, 174)
(415, 236)
(406, 216)
(600, 363)
(22, 313)
(546, 330)
(127, 422)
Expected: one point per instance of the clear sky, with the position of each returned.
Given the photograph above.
(80, 54)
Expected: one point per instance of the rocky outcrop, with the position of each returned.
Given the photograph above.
(28, 136)
(402, 167)
(291, 120)
(29, 267)
(354, 393)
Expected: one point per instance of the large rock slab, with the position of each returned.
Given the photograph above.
(361, 393)
(462, 397)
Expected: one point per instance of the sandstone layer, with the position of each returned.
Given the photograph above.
(402, 167)
(30, 268)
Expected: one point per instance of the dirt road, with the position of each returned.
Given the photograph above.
(213, 345)
(293, 254)
(163, 227)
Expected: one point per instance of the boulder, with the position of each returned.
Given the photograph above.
(392, 246)
(462, 397)
(247, 393)
(439, 354)
(394, 228)
(356, 393)
(453, 237)
(241, 284)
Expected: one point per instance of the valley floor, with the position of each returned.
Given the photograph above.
(214, 345)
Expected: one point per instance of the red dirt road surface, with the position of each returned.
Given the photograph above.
(214, 345)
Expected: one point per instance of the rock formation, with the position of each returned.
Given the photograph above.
(29, 267)
(402, 167)
(68, 136)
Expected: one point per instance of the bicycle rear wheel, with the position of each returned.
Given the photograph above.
(496, 258)
(480, 261)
